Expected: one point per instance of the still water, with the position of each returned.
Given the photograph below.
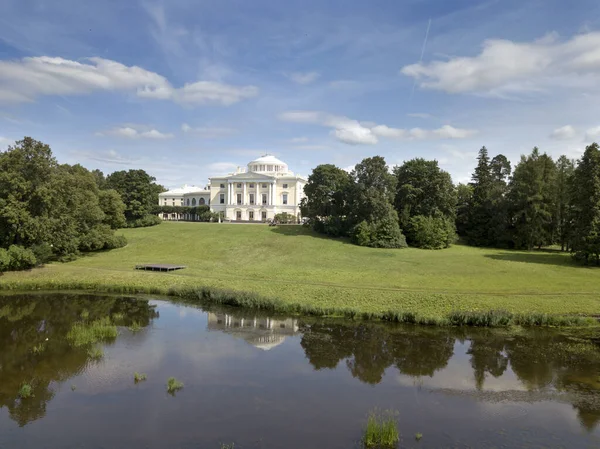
(276, 382)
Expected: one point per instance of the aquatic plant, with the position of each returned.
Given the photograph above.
(381, 430)
(95, 353)
(173, 385)
(26, 391)
(39, 348)
(118, 316)
(227, 446)
(135, 327)
(84, 315)
(82, 334)
(137, 377)
(73, 387)
(418, 436)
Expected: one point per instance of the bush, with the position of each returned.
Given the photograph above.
(20, 258)
(43, 252)
(431, 232)
(116, 241)
(384, 233)
(285, 218)
(4, 260)
(148, 220)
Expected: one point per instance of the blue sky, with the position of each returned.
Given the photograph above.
(189, 89)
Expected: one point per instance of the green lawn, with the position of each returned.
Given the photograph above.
(299, 267)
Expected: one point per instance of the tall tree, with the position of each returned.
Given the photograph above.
(565, 168)
(138, 191)
(325, 203)
(486, 225)
(371, 198)
(464, 200)
(423, 189)
(113, 207)
(532, 200)
(586, 206)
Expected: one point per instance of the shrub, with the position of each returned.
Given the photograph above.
(20, 258)
(4, 260)
(43, 252)
(285, 218)
(116, 241)
(148, 220)
(384, 233)
(431, 232)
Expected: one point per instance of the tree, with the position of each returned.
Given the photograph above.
(585, 198)
(423, 189)
(325, 203)
(565, 168)
(371, 197)
(113, 207)
(532, 200)
(464, 199)
(487, 218)
(426, 198)
(138, 191)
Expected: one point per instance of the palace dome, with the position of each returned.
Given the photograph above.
(267, 164)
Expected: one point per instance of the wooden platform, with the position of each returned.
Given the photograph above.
(159, 267)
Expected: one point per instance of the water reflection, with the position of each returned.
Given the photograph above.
(35, 350)
(318, 369)
(262, 332)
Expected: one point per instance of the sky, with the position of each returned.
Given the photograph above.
(191, 89)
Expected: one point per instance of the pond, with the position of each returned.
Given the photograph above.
(277, 382)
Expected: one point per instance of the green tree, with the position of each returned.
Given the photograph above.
(565, 168)
(325, 203)
(488, 218)
(585, 198)
(464, 200)
(113, 207)
(138, 191)
(371, 199)
(532, 200)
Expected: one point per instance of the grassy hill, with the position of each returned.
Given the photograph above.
(297, 267)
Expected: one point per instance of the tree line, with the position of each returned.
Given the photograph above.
(54, 211)
(542, 202)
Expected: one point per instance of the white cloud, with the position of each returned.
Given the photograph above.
(4, 142)
(28, 78)
(353, 132)
(133, 133)
(562, 133)
(505, 66)
(222, 167)
(208, 132)
(592, 133)
(303, 78)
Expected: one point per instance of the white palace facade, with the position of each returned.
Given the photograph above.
(265, 188)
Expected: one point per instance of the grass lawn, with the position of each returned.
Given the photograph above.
(301, 268)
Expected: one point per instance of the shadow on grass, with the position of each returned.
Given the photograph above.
(299, 230)
(545, 257)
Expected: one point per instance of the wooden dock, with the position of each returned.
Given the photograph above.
(159, 267)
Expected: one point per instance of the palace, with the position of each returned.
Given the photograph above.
(256, 193)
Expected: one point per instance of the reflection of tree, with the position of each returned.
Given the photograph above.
(35, 350)
(371, 349)
(487, 355)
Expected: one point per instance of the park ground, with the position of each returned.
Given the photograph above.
(297, 267)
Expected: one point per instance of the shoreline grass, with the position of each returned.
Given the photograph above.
(381, 430)
(82, 334)
(293, 271)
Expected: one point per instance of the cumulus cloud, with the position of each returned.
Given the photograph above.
(303, 78)
(26, 79)
(505, 66)
(129, 132)
(353, 132)
(592, 133)
(208, 132)
(563, 133)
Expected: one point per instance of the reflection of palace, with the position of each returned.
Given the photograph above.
(264, 333)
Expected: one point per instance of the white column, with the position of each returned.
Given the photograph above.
(256, 197)
(244, 199)
(275, 193)
(270, 190)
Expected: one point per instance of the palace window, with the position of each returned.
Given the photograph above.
(251, 186)
(264, 198)
(222, 186)
(222, 198)
(264, 186)
(284, 198)
(251, 215)
(188, 201)
(239, 186)
(252, 198)
(193, 201)
(165, 202)
(239, 198)
(285, 186)
(264, 215)
(202, 202)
